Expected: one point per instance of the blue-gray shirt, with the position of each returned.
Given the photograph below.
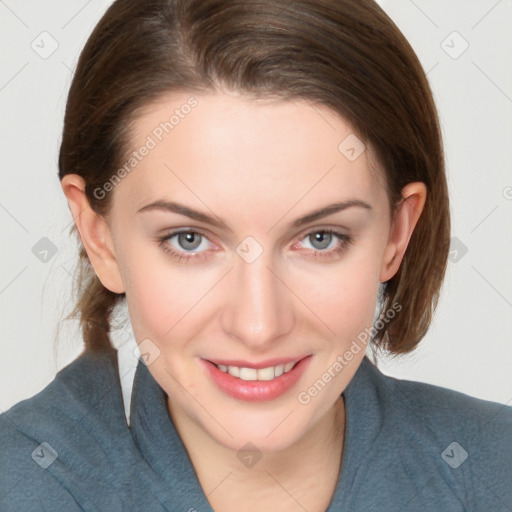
(409, 446)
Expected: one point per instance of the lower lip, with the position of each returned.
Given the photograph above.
(256, 390)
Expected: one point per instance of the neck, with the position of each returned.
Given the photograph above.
(306, 471)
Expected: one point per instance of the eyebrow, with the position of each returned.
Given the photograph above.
(181, 209)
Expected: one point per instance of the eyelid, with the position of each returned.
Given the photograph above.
(315, 229)
(212, 246)
(171, 232)
(344, 240)
(177, 255)
(168, 233)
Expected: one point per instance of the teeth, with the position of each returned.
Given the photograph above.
(253, 374)
(288, 367)
(234, 370)
(246, 373)
(265, 373)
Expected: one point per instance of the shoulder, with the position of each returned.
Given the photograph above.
(465, 439)
(439, 405)
(82, 389)
(442, 410)
(61, 434)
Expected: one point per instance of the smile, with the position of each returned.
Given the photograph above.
(267, 382)
(268, 373)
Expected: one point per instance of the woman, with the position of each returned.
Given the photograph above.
(252, 179)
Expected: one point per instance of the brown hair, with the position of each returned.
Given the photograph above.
(345, 54)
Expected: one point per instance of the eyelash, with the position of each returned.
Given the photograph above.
(344, 239)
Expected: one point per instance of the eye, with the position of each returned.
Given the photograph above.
(192, 245)
(185, 244)
(321, 239)
(188, 241)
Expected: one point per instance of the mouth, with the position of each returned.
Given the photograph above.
(261, 371)
(261, 381)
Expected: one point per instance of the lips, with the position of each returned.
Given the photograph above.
(255, 390)
(257, 365)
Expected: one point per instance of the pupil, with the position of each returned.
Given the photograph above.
(187, 240)
(323, 238)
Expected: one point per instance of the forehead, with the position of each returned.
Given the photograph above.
(227, 146)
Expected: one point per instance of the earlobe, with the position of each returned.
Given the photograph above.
(94, 233)
(405, 219)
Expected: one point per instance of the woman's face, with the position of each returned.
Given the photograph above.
(256, 279)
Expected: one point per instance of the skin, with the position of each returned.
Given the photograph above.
(258, 165)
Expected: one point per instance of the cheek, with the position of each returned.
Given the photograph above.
(344, 296)
(160, 296)
(167, 300)
(349, 306)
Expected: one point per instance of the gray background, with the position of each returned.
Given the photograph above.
(468, 347)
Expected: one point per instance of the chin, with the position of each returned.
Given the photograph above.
(268, 432)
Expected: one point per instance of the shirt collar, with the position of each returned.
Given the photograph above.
(156, 437)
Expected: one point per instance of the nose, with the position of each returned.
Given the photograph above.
(259, 309)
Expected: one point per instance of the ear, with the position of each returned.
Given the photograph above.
(404, 221)
(94, 233)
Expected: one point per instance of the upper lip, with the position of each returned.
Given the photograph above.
(257, 364)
